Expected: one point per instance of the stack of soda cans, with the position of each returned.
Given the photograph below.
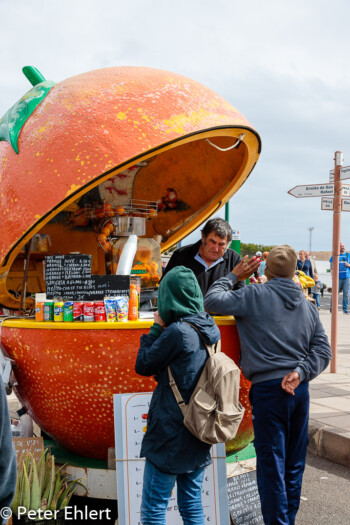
(70, 311)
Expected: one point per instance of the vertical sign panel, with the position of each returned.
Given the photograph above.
(130, 421)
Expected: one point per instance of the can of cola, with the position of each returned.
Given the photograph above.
(78, 311)
(89, 313)
(100, 311)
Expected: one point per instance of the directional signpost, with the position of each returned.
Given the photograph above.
(336, 204)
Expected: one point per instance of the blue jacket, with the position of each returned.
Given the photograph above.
(167, 443)
(279, 330)
(305, 267)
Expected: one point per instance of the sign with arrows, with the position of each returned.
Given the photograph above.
(317, 190)
(344, 174)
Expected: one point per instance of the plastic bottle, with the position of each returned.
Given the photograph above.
(127, 256)
(133, 304)
(26, 426)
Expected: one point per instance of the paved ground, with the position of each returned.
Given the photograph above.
(325, 493)
(330, 396)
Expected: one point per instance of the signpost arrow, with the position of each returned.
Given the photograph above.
(312, 190)
(318, 190)
(344, 174)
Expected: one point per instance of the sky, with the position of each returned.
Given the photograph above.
(283, 65)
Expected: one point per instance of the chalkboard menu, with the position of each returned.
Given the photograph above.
(69, 277)
(244, 500)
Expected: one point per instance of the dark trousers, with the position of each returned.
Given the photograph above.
(281, 437)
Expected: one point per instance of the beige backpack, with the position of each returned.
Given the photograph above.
(214, 412)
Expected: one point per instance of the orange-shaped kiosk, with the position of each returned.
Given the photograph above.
(105, 137)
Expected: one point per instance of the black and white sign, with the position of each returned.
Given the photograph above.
(244, 500)
(68, 277)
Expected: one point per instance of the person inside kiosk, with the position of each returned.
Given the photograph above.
(210, 258)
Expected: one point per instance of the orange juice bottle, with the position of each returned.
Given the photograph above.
(133, 304)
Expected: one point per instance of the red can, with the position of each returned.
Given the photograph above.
(78, 311)
(100, 311)
(89, 311)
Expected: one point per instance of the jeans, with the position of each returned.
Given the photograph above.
(344, 286)
(281, 437)
(316, 296)
(156, 493)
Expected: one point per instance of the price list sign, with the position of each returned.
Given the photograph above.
(130, 422)
(63, 272)
(69, 277)
(244, 500)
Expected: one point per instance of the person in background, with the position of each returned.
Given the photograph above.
(344, 276)
(312, 261)
(8, 465)
(283, 347)
(210, 258)
(172, 453)
(304, 265)
(316, 290)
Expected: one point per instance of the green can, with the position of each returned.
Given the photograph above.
(48, 311)
(68, 312)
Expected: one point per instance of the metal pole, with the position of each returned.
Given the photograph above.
(310, 228)
(338, 162)
(227, 211)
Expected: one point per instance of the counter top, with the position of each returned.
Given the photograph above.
(128, 325)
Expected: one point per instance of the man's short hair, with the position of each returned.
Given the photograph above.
(220, 227)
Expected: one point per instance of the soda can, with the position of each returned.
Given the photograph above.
(89, 313)
(58, 311)
(39, 311)
(100, 311)
(78, 311)
(48, 311)
(68, 311)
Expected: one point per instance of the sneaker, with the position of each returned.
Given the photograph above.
(346, 312)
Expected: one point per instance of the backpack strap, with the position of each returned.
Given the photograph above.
(211, 349)
(181, 403)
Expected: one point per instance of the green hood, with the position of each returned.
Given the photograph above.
(179, 295)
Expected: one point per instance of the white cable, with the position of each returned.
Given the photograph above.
(238, 141)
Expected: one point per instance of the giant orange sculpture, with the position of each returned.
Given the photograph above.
(106, 136)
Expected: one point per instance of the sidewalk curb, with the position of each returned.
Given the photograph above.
(329, 442)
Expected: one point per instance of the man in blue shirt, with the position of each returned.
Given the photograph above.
(344, 276)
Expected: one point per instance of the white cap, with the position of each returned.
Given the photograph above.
(258, 254)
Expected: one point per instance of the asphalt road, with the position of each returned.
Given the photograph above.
(325, 494)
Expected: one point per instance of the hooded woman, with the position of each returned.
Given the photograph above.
(172, 453)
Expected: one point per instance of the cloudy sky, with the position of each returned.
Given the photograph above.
(283, 64)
